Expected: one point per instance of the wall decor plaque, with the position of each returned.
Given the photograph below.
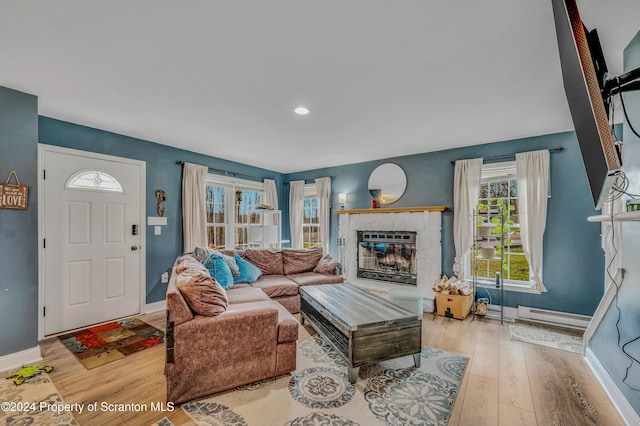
(13, 196)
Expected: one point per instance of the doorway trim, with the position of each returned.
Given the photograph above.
(42, 148)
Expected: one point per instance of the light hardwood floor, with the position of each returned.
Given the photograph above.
(506, 383)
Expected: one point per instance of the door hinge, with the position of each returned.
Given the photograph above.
(44, 311)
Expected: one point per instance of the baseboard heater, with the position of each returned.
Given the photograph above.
(560, 319)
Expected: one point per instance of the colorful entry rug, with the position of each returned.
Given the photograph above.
(35, 402)
(542, 337)
(319, 393)
(102, 344)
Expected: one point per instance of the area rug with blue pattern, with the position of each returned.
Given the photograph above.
(319, 393)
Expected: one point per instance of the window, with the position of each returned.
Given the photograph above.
(245, 204)
(93, 180)
(311, 219)
(499, 190)
(216, 218)
(230, 203)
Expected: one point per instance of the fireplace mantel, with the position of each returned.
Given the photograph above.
(393, 210)
(426, 222)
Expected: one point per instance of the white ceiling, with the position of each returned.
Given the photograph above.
(382, 78)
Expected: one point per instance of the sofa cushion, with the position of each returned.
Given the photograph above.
(276, 286)
(178, 309)
(326, 265)
(313, 278)
(287, 323)
(203, 294)
(248, 272)
(203, 253)
(219, 270)
(188, 262)
(246, 295)
(295, 261)
(268, 260)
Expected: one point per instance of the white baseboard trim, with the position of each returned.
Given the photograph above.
(617, 398)
(555, 318)
(510, 314)
(18, 359)
(155, 307)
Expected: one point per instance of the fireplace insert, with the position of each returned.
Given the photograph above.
(387, 256)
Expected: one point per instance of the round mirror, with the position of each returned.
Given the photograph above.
(387, 183)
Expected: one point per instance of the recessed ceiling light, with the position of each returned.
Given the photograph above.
(301, 110)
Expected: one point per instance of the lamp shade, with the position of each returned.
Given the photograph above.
(342, 198)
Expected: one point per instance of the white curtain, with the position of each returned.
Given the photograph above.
(296, 212)
(270, 193)
(194, 212)
(533, 191)
(271, 198)
(466, 191)
(323, 192)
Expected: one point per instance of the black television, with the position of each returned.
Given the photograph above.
(584, 76)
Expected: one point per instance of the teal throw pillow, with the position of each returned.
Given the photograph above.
(248, 271)
(219, 270)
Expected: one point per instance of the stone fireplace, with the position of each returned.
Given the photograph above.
(424, 222)
(387, 256)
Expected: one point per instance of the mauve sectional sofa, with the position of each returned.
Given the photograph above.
(217, 340)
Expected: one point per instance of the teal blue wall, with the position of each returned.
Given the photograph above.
(604, 343)
(573, 264)
(573, 260)
(19, 228)
(162, 173)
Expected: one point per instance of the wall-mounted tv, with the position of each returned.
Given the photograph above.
(583, 87)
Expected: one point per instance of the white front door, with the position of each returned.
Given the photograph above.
(92, 226)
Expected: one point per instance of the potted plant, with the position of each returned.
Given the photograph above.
(503, 225)
(497, 226)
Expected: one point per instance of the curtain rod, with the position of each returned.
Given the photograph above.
(227, 173)
(306, 181)
(512, 156)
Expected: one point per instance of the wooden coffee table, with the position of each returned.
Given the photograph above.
(362, 327)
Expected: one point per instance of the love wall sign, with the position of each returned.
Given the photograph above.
(13, 196)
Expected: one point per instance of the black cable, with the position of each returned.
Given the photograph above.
(624, 109)
(621, 189)
(632, 359)
(623, 347)
(612, 107)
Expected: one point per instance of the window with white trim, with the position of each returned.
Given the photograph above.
(230, 205)
(93, 180)
(311, 218)
(499, 192)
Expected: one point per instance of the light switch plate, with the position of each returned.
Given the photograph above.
(157, 230)
(156, 220)
(165, 277)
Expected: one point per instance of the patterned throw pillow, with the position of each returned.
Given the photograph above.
(327, 265)
(219, 270)
(249, 273)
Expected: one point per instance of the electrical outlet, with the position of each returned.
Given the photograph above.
(165, 277)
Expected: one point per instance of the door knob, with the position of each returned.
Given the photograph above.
(134, 248)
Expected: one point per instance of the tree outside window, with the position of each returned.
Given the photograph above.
(311, 223)
(228, 222)
(216, 220)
